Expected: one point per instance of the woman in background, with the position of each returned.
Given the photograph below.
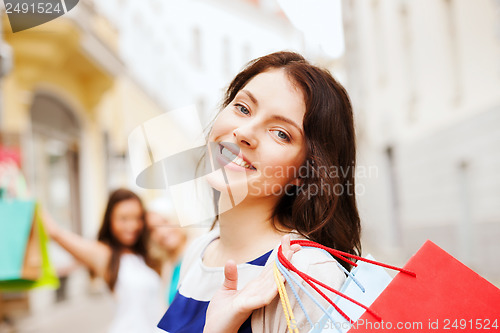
(170, 241)
(120, 256)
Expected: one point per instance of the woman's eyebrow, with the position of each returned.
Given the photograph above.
(288, 121)
(276, 117)
(251, 96)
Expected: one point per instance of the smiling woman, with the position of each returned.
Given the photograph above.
(260, 126)
(120, 256)
(279, 115)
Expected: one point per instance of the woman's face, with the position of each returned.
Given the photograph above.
(263, 127)
(166, 235)
(127, 222)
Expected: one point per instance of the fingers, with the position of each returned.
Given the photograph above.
(285, 243)
(295, 247)
(288, 250)
(230, 276)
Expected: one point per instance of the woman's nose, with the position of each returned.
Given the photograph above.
(245, 136)
(135, 224)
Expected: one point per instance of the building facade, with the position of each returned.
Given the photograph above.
(185, 52)
(68, 104)
(424, 77)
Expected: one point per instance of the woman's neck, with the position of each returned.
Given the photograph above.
(127, 250)
(246, 230)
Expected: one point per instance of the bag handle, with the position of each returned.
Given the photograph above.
(285, 302)
(12, 181)
(342, 256)
(289, 279)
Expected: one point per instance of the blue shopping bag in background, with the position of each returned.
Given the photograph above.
(24, 256)
(16, 227)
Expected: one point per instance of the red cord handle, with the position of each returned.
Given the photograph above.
(342, 256)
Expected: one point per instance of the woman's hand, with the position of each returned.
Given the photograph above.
(51, 226)
(229, 308)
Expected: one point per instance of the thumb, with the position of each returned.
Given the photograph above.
(230, 276)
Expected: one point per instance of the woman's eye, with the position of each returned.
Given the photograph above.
(242, 109)
(282, 135)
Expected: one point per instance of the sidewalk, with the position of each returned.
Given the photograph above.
(91, 314)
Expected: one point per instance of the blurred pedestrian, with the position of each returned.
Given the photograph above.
(170, 240)
(120, 256)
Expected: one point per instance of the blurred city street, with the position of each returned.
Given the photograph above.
(88, 314)
(93, 97)
(89, 308)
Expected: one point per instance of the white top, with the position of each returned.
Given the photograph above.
(138, 297)
(198, 283)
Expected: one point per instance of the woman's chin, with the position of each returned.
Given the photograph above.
(234, 184)
(128, 243)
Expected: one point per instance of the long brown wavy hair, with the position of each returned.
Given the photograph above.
(329, 217)
(106, 236)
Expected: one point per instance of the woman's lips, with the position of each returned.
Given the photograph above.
(230, 156)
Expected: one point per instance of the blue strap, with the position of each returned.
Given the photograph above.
(288, 277)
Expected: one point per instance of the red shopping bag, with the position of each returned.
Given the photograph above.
(445, 296)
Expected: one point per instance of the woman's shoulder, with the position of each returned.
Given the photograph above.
(102, 257)
(315, 262)
(320, 265)
(103, 247)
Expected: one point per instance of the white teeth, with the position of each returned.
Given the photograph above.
(234, 158)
